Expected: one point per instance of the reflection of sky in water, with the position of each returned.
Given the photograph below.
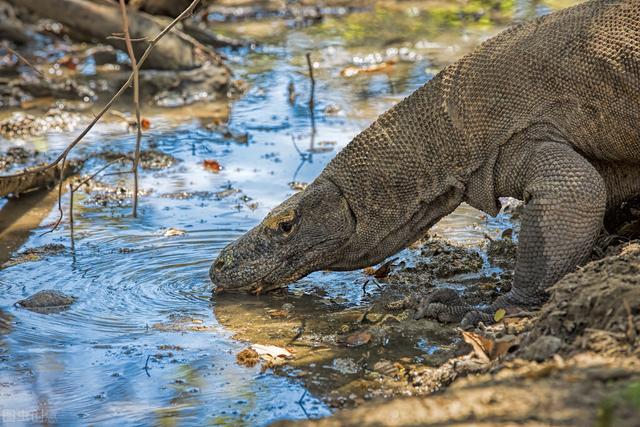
(86, 364)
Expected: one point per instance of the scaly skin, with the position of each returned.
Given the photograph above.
(547, 112)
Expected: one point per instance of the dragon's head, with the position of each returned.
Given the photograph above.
(307, 232)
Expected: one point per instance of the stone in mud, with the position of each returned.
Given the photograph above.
(542, 348)
(47, 301)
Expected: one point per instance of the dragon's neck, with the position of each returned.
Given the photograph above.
(399, 174)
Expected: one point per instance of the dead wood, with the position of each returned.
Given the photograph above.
(17, 185)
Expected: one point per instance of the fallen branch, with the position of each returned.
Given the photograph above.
(33, 180)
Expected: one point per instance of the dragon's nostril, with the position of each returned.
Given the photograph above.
(219, 264)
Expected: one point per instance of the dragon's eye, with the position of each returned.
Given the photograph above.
(286, 226)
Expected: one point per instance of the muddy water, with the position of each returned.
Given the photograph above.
(143, 344)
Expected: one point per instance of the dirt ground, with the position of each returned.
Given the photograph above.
(574, 363)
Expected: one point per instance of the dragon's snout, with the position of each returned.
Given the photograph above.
(218, 272)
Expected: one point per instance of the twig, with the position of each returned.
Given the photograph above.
(83, 182)
(61, 213)
(119, 37)
(303, 324)
(24, 61)
(71, 215)
(136, 104)
(312, 102)
(73, 189)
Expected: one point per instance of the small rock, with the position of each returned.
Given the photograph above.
(542, 348)
(47, 301)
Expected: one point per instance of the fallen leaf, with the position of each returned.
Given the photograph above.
(351, 71)
(357, 339)
(68, 62)
(382, 271)
(499, 315)
(271, 352)
(248, 357)
(171, 232)
(278, 314)
(487, 349)
(212, 166)
(145, 123)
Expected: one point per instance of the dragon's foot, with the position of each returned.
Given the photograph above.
(509, 302)
(443, 305)
(446, 306)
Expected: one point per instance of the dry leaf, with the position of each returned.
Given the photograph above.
(357, 339)
(248, 357)
(212, 166)
(145, 123)
(271, 351)
(278, 314)
(171, 232)
(351, 71)
(68, 62)
(487, 349)
(382, 271)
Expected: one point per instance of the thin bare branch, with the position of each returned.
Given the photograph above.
(117, 37)
(136, 104)
(24, 61)
(84, 181)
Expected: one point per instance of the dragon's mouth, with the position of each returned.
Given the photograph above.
(258, 287)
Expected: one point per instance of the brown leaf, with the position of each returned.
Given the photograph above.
(145, 123)
(357, 339)
(68, 62)
(248, 357)
(487, 349)
(212, 165)
(351, 71)
(382, 271)
(278, 314)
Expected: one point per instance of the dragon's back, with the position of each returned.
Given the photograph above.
(577, 72)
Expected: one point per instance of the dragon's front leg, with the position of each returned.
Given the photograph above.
(565, 199)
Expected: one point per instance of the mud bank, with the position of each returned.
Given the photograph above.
(577, 363)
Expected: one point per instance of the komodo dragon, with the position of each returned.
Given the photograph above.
(547, 112)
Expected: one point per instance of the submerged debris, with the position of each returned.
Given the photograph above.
(35, 254)
(55, 120)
